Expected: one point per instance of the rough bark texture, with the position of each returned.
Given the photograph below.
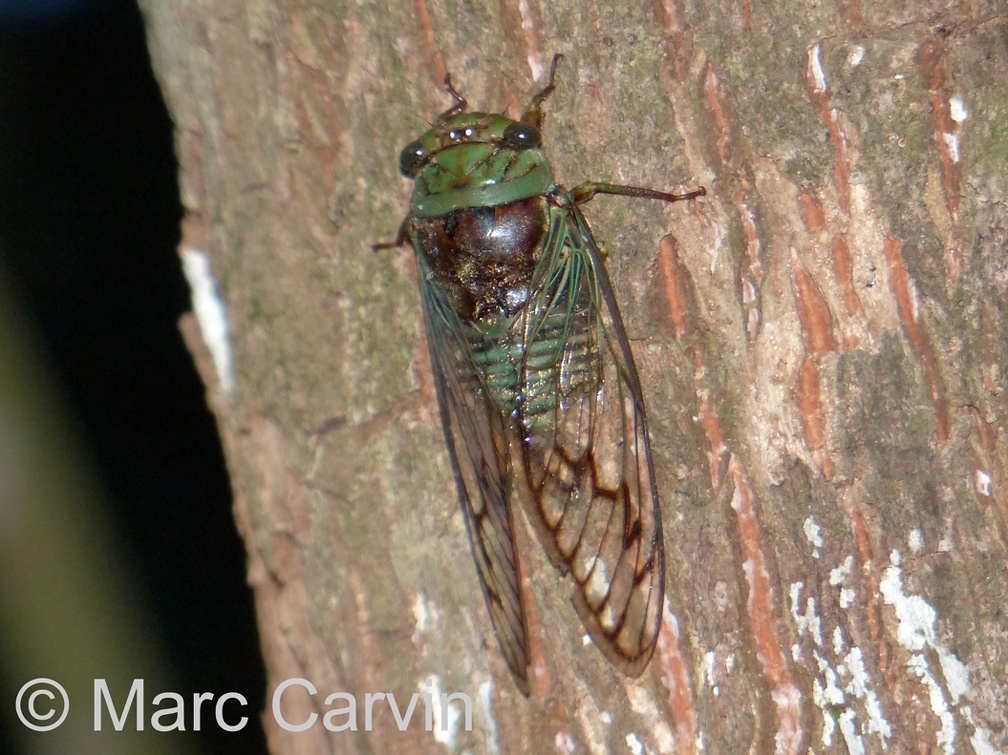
(822, 341)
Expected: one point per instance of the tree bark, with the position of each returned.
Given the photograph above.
(822, 342)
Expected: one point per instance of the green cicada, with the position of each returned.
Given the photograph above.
(535, 378)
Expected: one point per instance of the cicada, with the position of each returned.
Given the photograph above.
(539, 395)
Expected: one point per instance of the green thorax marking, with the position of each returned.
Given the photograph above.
(471, 164)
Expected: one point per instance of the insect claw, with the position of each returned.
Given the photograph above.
(402, 236)
(534, 113)
(458, 106)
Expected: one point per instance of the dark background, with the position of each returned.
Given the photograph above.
(89, 223)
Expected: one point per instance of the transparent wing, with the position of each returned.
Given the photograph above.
(478, 443)
(587, 476)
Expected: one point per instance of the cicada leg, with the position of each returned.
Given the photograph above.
(534, 113)
(402, 236)
(458, 106)
(584, 192)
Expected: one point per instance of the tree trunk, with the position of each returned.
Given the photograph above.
(821, 340)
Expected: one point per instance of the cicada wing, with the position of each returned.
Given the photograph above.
(587, 474)
(478, 443)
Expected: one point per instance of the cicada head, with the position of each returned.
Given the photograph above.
(474, 160)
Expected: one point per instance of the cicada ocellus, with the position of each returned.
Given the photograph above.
(535, 378)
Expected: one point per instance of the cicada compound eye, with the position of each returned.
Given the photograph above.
(521, 135)
(412, 159)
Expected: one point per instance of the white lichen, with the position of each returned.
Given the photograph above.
(815, 66)
(211, 313)
(814, 535)
(957, 110)
(915, 540)
(917, 632)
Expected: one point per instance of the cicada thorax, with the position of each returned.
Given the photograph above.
(484, 257)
